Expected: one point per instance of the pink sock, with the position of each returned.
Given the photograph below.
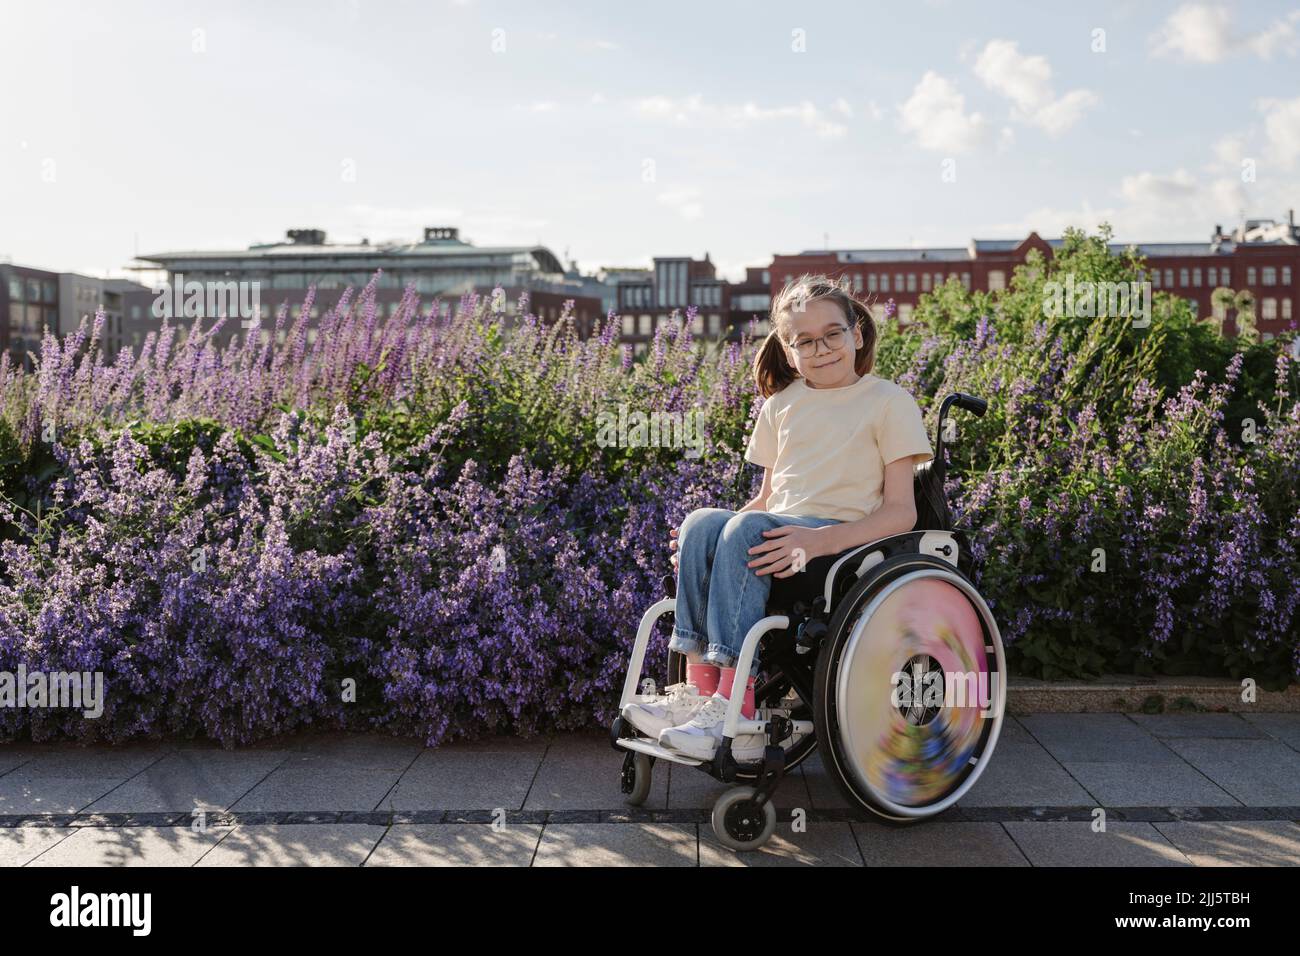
(704, 677)
(728, 683)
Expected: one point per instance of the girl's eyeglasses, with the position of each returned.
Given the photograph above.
(807, 348)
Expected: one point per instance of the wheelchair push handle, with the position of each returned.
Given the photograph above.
(970, 403)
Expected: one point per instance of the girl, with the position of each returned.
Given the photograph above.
(838, 446)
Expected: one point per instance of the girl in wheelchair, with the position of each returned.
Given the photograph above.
(838, 446)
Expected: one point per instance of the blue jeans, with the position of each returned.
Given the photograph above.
(718, 598)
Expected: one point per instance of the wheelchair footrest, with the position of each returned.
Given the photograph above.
(647, 746)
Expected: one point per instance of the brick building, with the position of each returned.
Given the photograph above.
(1260, 255)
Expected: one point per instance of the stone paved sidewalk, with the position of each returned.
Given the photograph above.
(1178, 789)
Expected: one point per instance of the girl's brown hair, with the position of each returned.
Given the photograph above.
(772, 371)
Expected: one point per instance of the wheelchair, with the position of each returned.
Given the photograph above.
(883, 657)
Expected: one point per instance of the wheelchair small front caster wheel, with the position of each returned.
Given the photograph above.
(635, 781)
(739, 823)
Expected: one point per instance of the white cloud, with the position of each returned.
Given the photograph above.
(684, 201)
(1027, 82)
(406, 224)
(1152, 206)
(842, 106)
(936, 115)
(1202, 33)
(693, 109)
(1154, 187)
(1282, 130)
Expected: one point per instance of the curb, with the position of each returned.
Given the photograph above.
(1126, 694)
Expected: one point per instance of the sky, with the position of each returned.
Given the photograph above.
(615, 132)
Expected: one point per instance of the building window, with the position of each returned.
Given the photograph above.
(965, 281)
(1286, 308)
(1182, 278)
(857, 282)
(1155, 279)
(1169, 278)
(925, 282)
(938, 279)
(15, 289)
(884, 282)
(1268, 309)
(911, 282)
(1211, 276)
(997, 280)
(898, 282)
(1196, 278)
(1196, 306)
(1250, 276)
(1269, 276)
(871, 282)
(1286, 275)
(904, 314)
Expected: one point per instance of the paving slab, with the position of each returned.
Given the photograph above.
(937, 843)
(581, 772)
(1069, 843)
(821, 844)
(457, 844)
(21, 793)
(823, 792)
(325, 787)
(1095, 738)
(1259, 773)
(287, 844)
(14, 755)
(1263, 843)
(191, 779)
(1021, 773)
(69, 761)
(131, 846)
(1230, 726)
(1284, 727)
(362, 750)
(1129, 784)
(617, 844)
(19, 845)
(461, 780)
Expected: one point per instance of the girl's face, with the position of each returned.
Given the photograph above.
(827, 363)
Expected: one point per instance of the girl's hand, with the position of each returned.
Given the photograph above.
(788, 550)
(672, 546)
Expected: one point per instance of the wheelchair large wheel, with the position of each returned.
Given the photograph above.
(771, 691)
(902, 737)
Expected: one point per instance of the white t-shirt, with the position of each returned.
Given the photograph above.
(828, 447)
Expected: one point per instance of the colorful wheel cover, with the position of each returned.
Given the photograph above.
(914, 691)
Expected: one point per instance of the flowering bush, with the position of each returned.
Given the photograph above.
(414, 525)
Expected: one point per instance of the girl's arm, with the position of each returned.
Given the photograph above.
(896, 514)
(759, 503)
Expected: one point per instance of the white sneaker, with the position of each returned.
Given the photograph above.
(701, 736)
(651, 713)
